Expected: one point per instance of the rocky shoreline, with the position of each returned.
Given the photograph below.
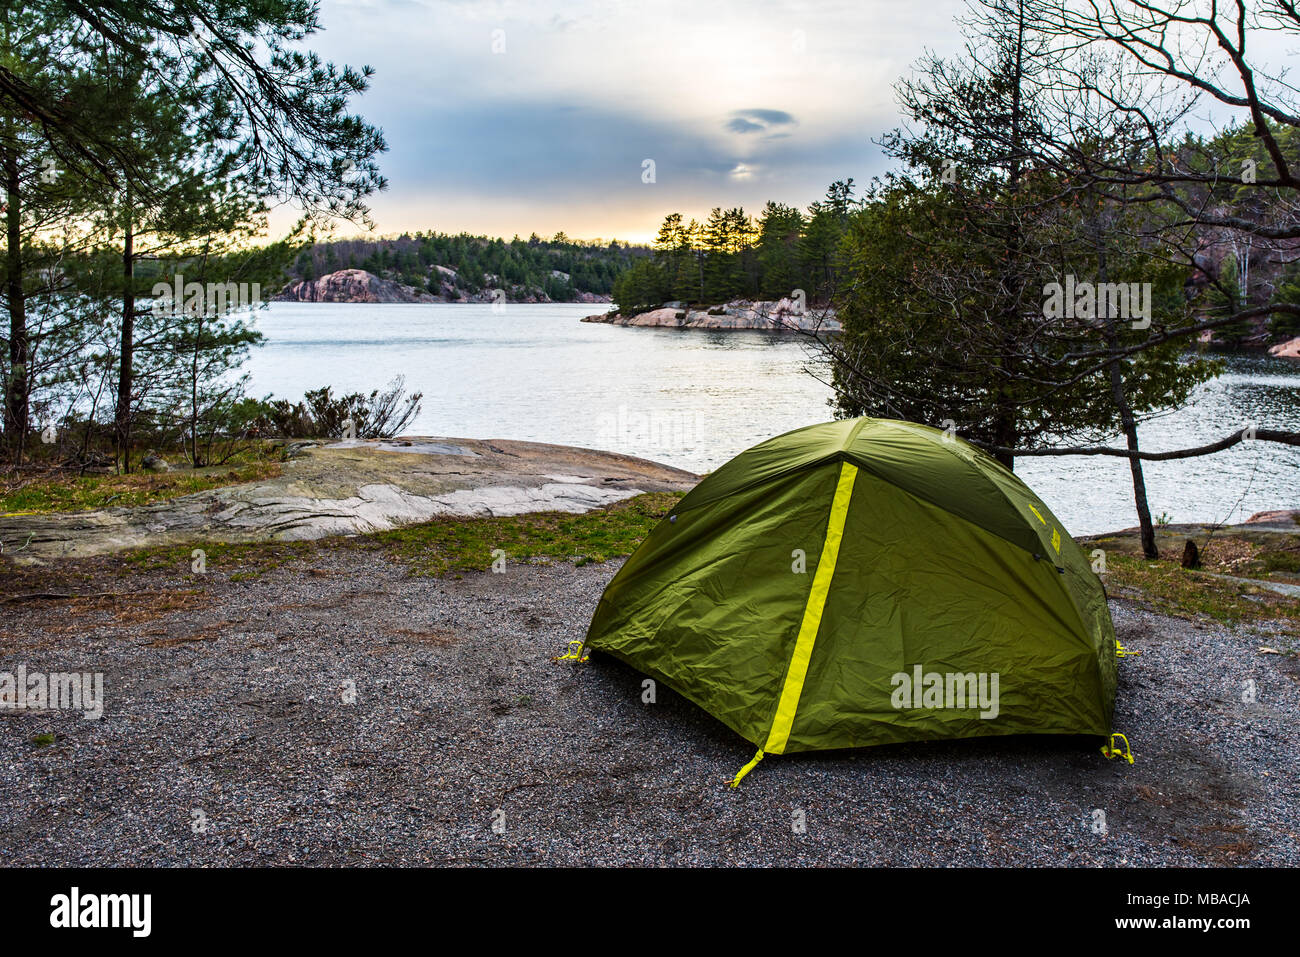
(358, 285)
(783, 315)
(354, 487)
(1286, 350)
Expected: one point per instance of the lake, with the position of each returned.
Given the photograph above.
(694, 399)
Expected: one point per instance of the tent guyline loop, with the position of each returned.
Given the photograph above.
(1122, 652)
(740, 775)
(572, 655)
(1110, 751)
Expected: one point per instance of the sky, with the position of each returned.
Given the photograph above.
(507, 118)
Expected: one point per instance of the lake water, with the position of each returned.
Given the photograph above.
(694, 399)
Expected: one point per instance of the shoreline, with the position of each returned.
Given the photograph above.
(782, 315)
(358, 487)
(355, 487)
(358, 287)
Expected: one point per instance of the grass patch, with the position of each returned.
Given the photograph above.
(1283, 561)
(457, 544)
(446, 545)
(244, 560)
(1275, 557)
(1241, 551)
(60, 492)
(1172, 589)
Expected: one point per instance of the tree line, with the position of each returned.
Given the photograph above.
(732, 255)
(559, 268)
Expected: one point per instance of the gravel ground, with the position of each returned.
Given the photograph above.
(226, 740)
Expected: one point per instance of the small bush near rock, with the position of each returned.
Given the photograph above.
(379, 415)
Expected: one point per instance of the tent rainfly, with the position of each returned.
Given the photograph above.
(866, 582)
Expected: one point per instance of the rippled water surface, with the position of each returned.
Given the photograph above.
(694, 399)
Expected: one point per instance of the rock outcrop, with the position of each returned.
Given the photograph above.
(1287, 350)
(784, 315)
(352, 285)
(358, 285)
(1278, 516)
(350, 488)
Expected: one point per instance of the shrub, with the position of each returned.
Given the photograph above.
(380, 415)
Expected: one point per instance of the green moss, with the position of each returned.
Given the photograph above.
(445, 546)
(58, 492)
(1287, 562)
(453, 545)
(1170, 588)
(251, 558)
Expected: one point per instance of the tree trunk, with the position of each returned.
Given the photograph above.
(125, 376)
(1005, 428)
(17, 397)
(1129, 427)
(194, 396)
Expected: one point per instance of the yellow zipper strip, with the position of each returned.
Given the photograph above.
(779, 735)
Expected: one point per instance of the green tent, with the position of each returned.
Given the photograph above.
(864, 582)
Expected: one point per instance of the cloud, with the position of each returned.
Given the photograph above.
(549, 130)
(773, 117)
(759, 121)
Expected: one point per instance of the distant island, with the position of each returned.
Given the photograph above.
(358, 285)
(781, 315)
(441, 267)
